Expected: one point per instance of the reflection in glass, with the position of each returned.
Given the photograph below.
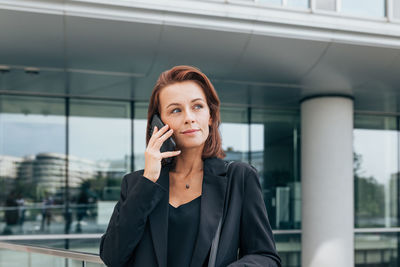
(235, 133)
(32, 165)
(139, 135)
(376, 171)
(275, 152)
(371, 8)
(99, 148)
(376, 249)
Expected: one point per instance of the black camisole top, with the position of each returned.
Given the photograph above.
(183, 226)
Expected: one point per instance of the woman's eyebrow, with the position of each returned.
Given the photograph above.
(177, 104)
(194, 100)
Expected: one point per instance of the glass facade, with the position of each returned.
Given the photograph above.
(376, 195)
(32, 164)
(236, 146)
(62, 161)
(289, 248)
(376, 171)
(99, 156)
(376, 249)
(275, 150)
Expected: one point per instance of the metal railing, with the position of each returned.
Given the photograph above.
(386, 250)
(62, 253)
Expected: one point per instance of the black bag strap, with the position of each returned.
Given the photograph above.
(215, 242)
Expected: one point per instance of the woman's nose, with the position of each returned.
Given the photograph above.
(189, 118)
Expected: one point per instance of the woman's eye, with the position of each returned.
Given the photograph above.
(198, 106)
(175, 110)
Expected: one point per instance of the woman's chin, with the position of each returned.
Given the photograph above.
(191, 146)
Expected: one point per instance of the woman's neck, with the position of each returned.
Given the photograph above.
(188, 162)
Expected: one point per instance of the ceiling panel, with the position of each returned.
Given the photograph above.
(111, 45)
(275, 59)
(256, 70)
(31, 39)
(345, 67)
(214, 52)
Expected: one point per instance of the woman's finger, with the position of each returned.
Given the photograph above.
(158, 143)
(156, 132)
(170, 154)
(153, 131)
(161, 131)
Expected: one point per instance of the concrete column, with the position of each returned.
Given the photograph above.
(327, 182)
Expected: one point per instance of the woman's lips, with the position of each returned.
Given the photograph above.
(190, 131)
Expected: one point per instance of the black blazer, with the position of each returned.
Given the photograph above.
(137, 233)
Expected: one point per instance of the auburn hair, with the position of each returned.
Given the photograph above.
(213, 144)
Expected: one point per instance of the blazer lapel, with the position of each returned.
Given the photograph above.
(211, 210)
(159, 221)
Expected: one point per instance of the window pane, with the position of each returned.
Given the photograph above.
(289, 248)
(275, 152)
(376, 171)
(326, 4)
(376, 249)
(99, 148)
(396, 9)
(139, 134)
(373, 8)
(32, 165)
(298, 3)
(235, 133)
(274, 2)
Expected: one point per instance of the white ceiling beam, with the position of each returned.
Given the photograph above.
(248, 17)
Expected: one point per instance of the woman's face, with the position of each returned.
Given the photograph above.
(184, 108)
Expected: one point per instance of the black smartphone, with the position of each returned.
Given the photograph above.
(169, 144)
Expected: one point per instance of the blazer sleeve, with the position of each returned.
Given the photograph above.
(257, 246)
(139, 196)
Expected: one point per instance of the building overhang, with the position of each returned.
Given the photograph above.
(255, 54)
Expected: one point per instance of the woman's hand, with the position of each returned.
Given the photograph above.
(152, 154)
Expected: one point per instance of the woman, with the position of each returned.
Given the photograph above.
(168, 214)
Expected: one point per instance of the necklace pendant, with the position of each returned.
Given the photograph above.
(187, 186)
